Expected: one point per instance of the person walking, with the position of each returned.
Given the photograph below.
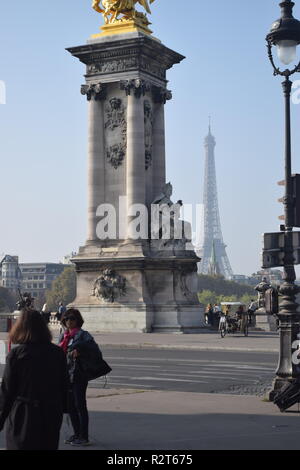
(33, 393)
(216, 315)
(61, 310)
(76, 343)
(251, 310)
(209, 314)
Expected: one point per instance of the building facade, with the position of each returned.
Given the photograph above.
(10, 274)
(34, 278)
(37, 278)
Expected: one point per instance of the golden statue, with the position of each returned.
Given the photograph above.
(111, 9)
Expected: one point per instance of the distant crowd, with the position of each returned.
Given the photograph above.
(213, 313)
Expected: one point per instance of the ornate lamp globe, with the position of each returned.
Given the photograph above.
(285, 35)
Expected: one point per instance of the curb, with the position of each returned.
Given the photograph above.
(185, 348)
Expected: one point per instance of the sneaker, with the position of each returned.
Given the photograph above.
(70, 439)
(78, 442)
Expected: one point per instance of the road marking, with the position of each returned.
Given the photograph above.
(232, 372)
(213, 363)
(240, 379)
(131, 385)
(163, 379)
(137, 366)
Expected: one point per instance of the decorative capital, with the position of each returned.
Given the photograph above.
(96, 91)
(161, 95)
(139, 87)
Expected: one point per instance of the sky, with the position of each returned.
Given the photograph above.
(226, 74)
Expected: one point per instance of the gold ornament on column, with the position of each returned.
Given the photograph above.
(131, 19)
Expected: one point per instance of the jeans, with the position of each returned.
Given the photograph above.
(78, 409)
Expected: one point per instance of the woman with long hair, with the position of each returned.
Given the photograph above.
(76, 343)
(34, 387)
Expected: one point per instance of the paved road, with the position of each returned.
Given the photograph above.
(189, 371)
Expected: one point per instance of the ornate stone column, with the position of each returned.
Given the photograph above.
(135, 156)
(96, 155)
(160, 96)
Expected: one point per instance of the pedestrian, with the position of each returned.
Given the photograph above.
(46, 314)
(76, 342)
(61, 310)
(33, 394)
(216, 315)
(209, 314)
(251, 310)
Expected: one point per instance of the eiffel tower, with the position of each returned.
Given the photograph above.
(213, 249)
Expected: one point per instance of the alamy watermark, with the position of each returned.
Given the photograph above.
(2, 92)
(163, 221)
(296, 93)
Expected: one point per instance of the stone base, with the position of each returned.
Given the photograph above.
(117, 318)
(266, 323)
(277, 384)
(160, 293)
(121, 27)
(179, 319)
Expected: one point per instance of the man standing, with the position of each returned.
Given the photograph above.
(216, 315)
(61, 310)
(251, 309)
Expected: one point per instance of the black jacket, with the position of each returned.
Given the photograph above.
(90, 363)
(33, 396)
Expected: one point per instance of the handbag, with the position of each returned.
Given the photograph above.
(92, 364)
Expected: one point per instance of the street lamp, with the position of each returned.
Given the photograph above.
(285, 36)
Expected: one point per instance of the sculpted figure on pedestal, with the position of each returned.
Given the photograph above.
(109, 286)
(111, 9)
(170, 233)
(261, 288)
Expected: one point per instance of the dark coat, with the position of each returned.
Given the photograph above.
(83, 342)
(33, 396)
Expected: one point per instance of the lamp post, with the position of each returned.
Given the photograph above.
(285, 35)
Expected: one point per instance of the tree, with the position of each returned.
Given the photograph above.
(63, 289)
(7, 300)
(222, 287)
(215, 289)
(207, 297)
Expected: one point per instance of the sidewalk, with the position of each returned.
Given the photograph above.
(259, 341)
(134, 420)
(208, 341)
(122, 419)
(176, 420)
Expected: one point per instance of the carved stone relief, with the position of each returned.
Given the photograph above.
(188, 283)
(152, 68)
(148, 120)
(109, 63)
(115, 132)
(109, 286)
(121, 65)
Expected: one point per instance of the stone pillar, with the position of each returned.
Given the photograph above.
(135, 156)
(96, 155)
(160, 96)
